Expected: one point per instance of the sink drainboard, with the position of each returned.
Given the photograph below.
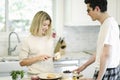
(63, 65)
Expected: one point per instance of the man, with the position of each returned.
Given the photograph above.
(108, 45)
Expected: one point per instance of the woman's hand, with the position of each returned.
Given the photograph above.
(43, 57)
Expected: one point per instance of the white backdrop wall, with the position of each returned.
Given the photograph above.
(71, 13)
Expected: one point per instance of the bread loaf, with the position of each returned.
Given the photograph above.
(50, 76)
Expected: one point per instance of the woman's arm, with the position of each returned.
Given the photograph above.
(29, 61)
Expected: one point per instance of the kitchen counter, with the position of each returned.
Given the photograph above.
(8, 66)
(74, 60)
(64, 78)
(9, 78)
(87, 73)
(5, 78)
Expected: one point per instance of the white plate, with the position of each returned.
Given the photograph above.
(43, 76)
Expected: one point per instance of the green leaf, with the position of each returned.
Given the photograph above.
(16, 73)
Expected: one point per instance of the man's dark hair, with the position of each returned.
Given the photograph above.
(102, 4)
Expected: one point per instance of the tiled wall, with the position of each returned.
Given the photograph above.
(81, 38)
(3, 43)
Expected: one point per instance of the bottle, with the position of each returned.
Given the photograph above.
(54, 33)
(74, 78)
(75, 75)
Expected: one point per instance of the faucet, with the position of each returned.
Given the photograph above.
(10, 50)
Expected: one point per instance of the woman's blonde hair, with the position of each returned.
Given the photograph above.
(37, 24)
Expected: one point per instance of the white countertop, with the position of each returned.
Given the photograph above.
(65, 77)
(9, 78)
(6, 78)
(15, 65)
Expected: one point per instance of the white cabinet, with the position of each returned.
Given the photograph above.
(75, 13)
(7, 66)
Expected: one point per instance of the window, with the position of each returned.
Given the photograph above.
(2, 15)
(21, 12)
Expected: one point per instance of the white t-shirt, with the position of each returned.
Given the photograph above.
(33, 46)
(109, 34)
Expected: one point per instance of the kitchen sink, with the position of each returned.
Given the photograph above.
(67, 62)
(9, 63)
(9, 59)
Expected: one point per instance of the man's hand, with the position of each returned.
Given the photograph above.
(78, 70)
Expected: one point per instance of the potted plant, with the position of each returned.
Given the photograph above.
(17, 74)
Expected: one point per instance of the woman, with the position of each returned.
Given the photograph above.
(37, 49)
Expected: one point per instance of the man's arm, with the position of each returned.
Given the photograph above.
(103, 61)
(90, 61)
